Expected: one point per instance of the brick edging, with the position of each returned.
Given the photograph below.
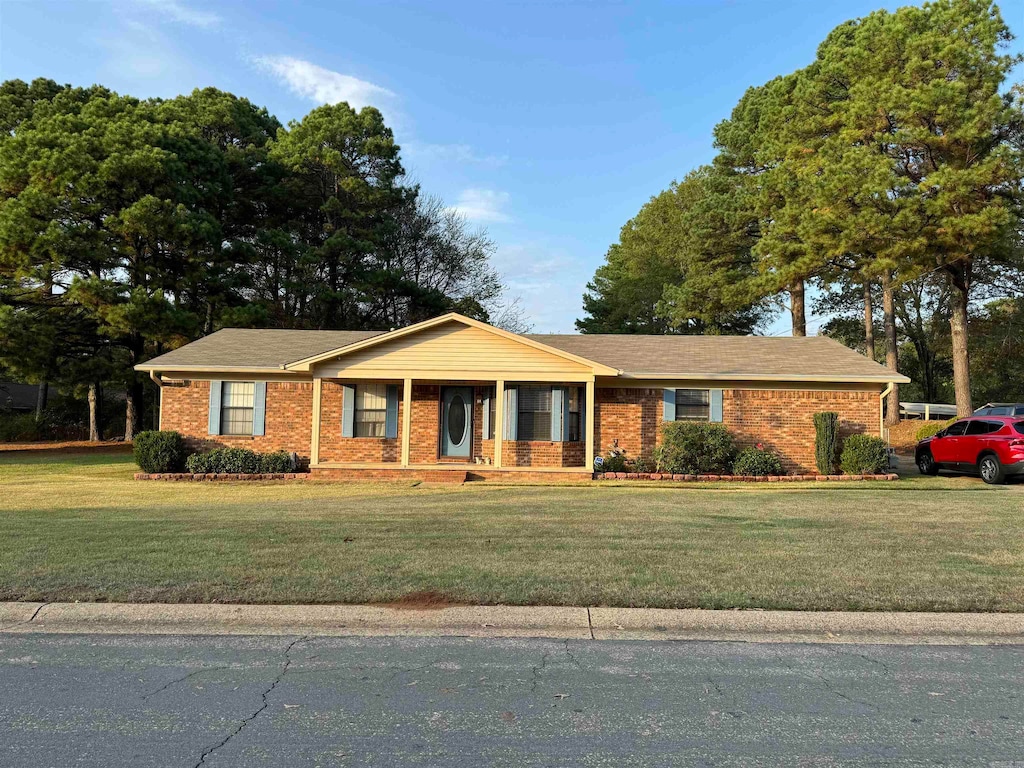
(737, 478)
(190, 477)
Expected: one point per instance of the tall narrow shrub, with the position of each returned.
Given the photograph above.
(826, 441)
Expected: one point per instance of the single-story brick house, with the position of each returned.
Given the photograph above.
(454, 393)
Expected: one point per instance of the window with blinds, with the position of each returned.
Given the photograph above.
(371, 410)
(693, 405)
(236, 410)
(534, 420)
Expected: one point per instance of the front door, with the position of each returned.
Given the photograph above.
(456, 422)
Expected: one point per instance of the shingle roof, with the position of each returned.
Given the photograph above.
(254, 348)
(721, 356)
(684, 356)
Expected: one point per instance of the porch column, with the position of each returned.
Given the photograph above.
(499, 420)
(406, 419)
(314, 446)
(589, 430)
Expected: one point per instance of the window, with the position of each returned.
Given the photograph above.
(534, 421)
(492, 402)
(956, 429)
(1019, 426)
(983, 427)
(573, 411)
(371, 410)
(236, 407)
(693, 405)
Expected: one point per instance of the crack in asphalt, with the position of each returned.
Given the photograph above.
(264, 698)
(572, 658)
(538, 669)
(192, 674)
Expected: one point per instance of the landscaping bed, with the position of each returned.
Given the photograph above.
(207, 476)
(737, 478)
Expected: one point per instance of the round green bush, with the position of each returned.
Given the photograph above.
(756, 461)
(864, 455)
(159, 451)
(198, 464)
(932, 427)
(695, 448)
(276, 462)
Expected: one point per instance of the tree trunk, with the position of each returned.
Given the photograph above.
(961, 360)
(42, 394)
(95, 435)
(132, 410)
(869, 322)
(796, 296)
(892, 404)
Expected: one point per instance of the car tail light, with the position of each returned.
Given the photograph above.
(1017, 443)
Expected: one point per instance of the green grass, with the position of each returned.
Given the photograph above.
(77, 527)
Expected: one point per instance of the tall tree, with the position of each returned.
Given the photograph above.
(683, 264)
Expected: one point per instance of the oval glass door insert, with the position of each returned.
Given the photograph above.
(456, 420)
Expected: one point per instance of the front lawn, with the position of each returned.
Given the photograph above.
(77, 527)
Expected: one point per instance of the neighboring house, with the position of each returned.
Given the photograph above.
(21, 398)
(455, 393)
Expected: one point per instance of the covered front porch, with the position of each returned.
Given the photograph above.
(453, 428)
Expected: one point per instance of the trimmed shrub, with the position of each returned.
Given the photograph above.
(278, 461)
(755, 460)
(694, 448)
(826, 442)
(239, 461)
(233, 461)
(198, 464)
(159, 451)
(932, 427)
(864, 455)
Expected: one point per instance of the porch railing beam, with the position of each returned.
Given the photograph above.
(499, 420)
(406, 420)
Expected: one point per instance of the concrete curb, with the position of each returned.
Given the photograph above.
(516, 621)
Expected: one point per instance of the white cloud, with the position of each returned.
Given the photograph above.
(183, 14)
(323, 86)
(549, 282)
(482, 206)
(452, 153)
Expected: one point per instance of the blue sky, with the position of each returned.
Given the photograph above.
(548, 123)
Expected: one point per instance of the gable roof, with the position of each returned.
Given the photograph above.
(811, 358)
(307, 363)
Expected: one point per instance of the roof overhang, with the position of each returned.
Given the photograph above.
(896, 378)
(207, 368)
(306, 364)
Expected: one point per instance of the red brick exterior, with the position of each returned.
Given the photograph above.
(781, 419)
(784, 419)
(185, 408)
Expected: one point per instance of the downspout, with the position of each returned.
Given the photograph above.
(881, 409)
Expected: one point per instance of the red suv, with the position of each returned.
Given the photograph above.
(991, 446)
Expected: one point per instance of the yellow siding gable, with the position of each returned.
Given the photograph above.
(451, 350)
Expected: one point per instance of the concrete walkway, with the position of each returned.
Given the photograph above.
(516, 621)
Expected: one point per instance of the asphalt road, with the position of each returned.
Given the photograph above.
(94, 700)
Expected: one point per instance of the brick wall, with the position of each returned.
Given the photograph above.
(629, 416)
(185, 408)
(780, 419)
(335, 448)
(784, 419)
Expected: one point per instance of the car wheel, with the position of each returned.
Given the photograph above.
(991, 470)
(926, 465)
